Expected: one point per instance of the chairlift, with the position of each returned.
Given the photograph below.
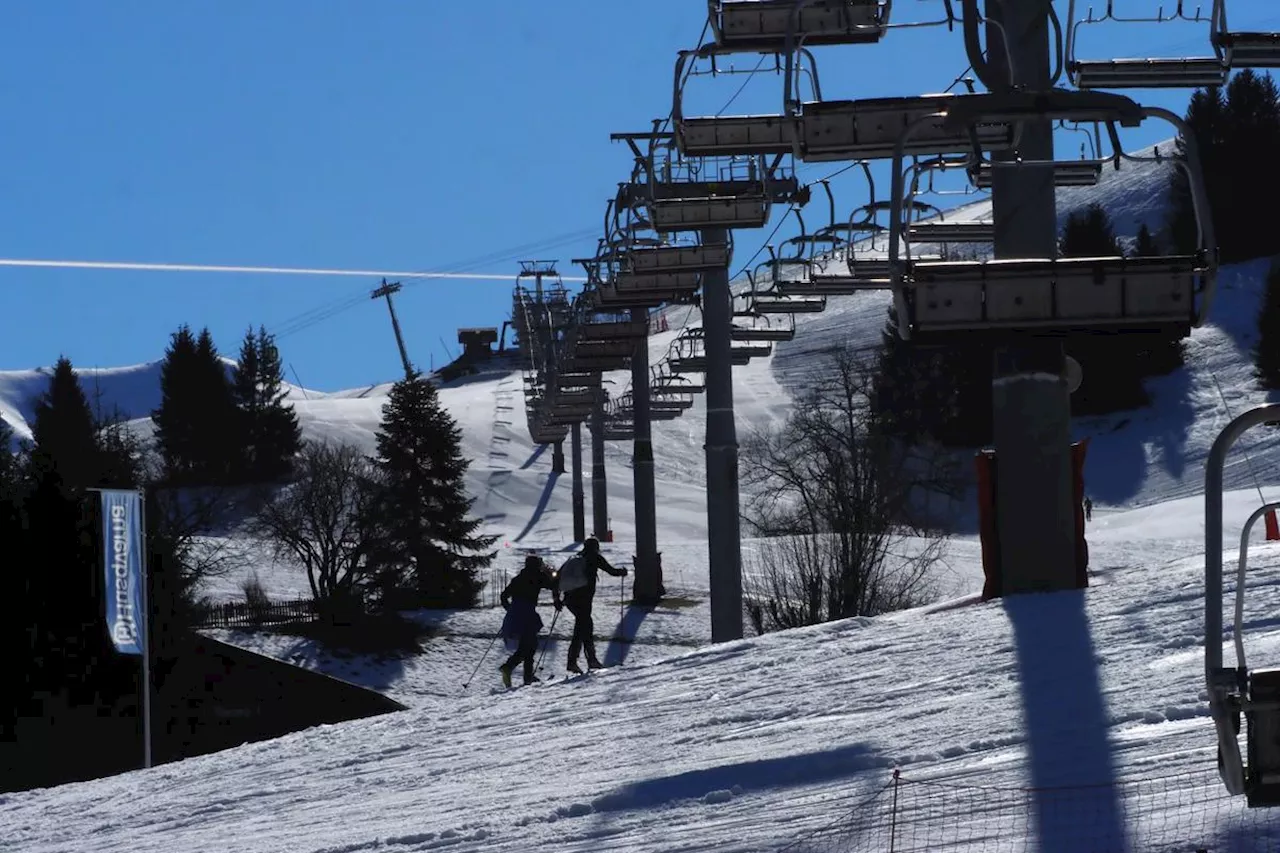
(1242, 49)
(721, 135)
(1236, 692)
(773, 24)
(1066, 173)
(1147, 73)
(938, 229)
(681, 193)
(869, 129)
(1046, 295)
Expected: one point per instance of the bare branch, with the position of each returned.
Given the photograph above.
(835, 495)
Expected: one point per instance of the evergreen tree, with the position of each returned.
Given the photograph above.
(1089, 234)
(1266, 353)
(175, 420)
(270, 433)
(216, 434)
(941, 393)
(64, 432)
(15, 605)
(1144, 245)
(421, 502)
(72, 450)
(1237, 131)
(195, 424)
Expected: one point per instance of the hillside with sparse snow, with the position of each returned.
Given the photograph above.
(788, 739)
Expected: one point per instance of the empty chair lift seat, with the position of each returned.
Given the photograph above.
(767, 23)
(870, 129)
(1070, 294)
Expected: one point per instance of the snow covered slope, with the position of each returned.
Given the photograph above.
(753, 745)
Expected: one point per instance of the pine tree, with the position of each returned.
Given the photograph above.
(1089, 234)
(270, 433)
(216, 433)
(64, 431)
(1237, 131)
(1266, 353)
(72, 449)
(428, 537)
(1144, 245)
(196, 422)
(1205, 118)
(176, 420)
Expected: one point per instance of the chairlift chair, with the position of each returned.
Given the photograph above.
(1147, 73)
(1065, 295)
(764, 331)
(1066, 173)
(692, 194)
(777, 24)
(678, 257)
(869, 129)
(767, 303)
(943, 231)
(1242, 49)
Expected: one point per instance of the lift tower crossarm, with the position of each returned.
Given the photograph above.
(384, 292)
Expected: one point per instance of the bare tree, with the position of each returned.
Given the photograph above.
(322, 520)
(839, 499)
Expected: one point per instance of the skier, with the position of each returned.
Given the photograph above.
(1088, 508)
(522, 622)
(577, 583)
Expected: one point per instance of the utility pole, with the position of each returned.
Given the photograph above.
(1031, 400)
(385, 291)
(723, 539)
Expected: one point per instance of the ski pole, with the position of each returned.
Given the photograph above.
(467, 683)
(543, 653)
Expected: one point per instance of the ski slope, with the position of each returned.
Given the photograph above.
(788, 739)
(752, 745)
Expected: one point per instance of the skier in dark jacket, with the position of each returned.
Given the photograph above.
(577, 584)
(522, 622)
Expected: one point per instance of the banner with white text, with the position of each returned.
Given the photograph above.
(122, 547)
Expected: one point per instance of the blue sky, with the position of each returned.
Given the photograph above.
(401, 135)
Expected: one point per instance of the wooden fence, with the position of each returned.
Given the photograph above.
(235, 614)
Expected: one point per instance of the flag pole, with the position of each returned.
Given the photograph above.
(146, 631)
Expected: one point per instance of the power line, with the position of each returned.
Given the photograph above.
(321, 271)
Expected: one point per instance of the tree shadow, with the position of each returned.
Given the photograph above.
(1065, 718)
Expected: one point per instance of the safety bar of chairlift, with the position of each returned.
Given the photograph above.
(1228, 740)
(1191, 167)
